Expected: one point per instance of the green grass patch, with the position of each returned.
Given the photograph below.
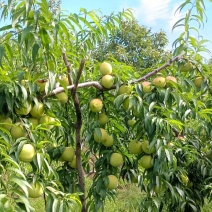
(128, 199)
(38, 204)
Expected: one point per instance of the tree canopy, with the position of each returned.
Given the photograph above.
(78, 98)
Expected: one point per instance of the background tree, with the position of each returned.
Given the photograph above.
(135, 46)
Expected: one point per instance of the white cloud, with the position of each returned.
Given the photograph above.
(153, 12)
(174, 17)
(149, 11)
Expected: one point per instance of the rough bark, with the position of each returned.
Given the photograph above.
(69, 68)
(78, 124)
(78, 137)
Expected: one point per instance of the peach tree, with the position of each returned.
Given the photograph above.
(67, 115)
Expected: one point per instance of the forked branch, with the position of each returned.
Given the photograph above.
(68, 66)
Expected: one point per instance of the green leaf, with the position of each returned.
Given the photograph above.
(17, 171)
(175, 123)
(95, 19)
(24, 92)
(186, 114)
(98, 132)
(49, 203)
(25, 32)
(35, 50)
(22, 201)
(183, 5)
(157, 202)
(21, 183)
(167, 95)
(55, 205)
(74, 19)
(1, 54)
(169, 155)
(132, 102)
(151, 106)
(9, 52)
(39, 158)
(44, 36)
(29, 4)
(10, 4)
(6, 27)
(119, 100)
(180, 191)
(87, 24)
(177, 23)
(16, 16)
(51, 83)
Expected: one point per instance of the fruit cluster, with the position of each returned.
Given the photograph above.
(29, 116)
(103, 137)
(135, 146)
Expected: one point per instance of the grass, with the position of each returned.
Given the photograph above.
(38, 204)
(127, 199)
(122, 203)
(207, 207)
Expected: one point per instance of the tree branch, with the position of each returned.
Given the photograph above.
(82, 64)
(69, 68)
(78, 136)
(98, 86)
(155, 71)
(94, 84)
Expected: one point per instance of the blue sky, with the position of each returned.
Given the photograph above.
(156, 14)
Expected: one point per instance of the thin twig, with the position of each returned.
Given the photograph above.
(155, 71)
(82, 64)
(69, 68)
(94, 84)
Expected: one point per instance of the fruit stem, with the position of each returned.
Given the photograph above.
(45, 202)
